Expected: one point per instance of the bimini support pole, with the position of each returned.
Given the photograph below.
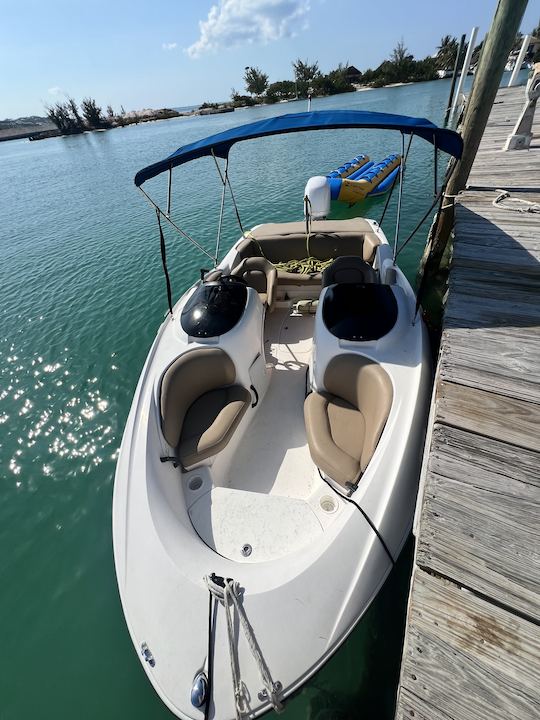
(220, 222)
(400, 195)
(169, 188)
(435, 167)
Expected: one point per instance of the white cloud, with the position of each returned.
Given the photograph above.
(169, 46)
(55, 91)
(233, 22)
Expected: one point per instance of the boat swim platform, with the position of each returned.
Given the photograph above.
(472, 644)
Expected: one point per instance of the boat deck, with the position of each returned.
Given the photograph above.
(472, 646)
(274, 456)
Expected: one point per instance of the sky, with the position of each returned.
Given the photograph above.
(174, 53)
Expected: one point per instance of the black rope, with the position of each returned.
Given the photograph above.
(365, 516)
(234, 203)
(423, 220)
(164, 260)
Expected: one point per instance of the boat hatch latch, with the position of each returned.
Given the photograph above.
(263, 694)
(246, 550)
(147, 655)
(199, 690)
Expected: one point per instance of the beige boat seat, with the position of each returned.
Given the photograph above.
(349, 269)
(200, 404)
(329, 239)
(345, 422)
(260, 275)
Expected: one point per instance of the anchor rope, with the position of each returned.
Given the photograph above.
(227, 594)
(528, 205)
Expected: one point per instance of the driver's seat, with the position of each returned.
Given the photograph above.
(260, 275)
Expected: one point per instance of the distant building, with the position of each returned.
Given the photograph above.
(353, 74)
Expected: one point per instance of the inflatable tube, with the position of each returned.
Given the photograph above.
(349, 168)
(385, 185)
(352, 191)
(351, 183)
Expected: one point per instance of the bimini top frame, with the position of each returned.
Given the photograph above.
(219, 145)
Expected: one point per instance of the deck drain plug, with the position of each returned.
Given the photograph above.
(328, 504)
(246, 550)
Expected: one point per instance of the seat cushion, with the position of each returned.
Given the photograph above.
(366, 386)
(260, 275)
(210, 423)
(335, 431)
(289, 278)
(187, 378)
(349, 269)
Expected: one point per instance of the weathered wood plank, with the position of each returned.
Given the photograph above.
(489, 360)
(525, 292)
(478, 526)
(412, 707)
(468, 658)
(451, 448)
(485, 413)
(482, 311)
(512, 259)
(484, 279)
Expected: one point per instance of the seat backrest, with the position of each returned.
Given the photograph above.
(348, 269)
(255, 271)
(259, 274)
(365, 385)
(280, 242)
(186, 379)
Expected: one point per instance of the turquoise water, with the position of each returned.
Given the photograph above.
(82, 296)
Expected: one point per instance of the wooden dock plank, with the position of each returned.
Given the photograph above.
(484, 358)
(412, 707)
(487, 413)
(484, 311)
(472, 645)
(468, 658)
(480, 525)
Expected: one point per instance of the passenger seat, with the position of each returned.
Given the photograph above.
(260, 275)
(201, 406)
(345, 422)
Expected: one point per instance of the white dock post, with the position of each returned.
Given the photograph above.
(465, 68)
(519, 61)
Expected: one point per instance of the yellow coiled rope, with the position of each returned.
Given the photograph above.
(306, 266)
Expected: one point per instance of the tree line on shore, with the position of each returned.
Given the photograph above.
(400, 67)
(70, 119)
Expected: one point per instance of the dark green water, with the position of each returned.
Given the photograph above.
(81, 297)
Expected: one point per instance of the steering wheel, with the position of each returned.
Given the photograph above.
(230, 279)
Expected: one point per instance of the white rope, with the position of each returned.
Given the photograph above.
(227, 595)
(529, 207)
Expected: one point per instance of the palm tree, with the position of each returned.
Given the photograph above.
(446, 53)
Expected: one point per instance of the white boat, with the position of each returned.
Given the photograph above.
(267, 476)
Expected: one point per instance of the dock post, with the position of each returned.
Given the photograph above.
(454, 78)
(519, 61)
(521, 136)
(497, 46)
(465, 68)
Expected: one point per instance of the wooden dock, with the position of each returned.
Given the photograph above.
(472, 646)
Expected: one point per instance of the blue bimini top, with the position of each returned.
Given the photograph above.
(446, 140)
